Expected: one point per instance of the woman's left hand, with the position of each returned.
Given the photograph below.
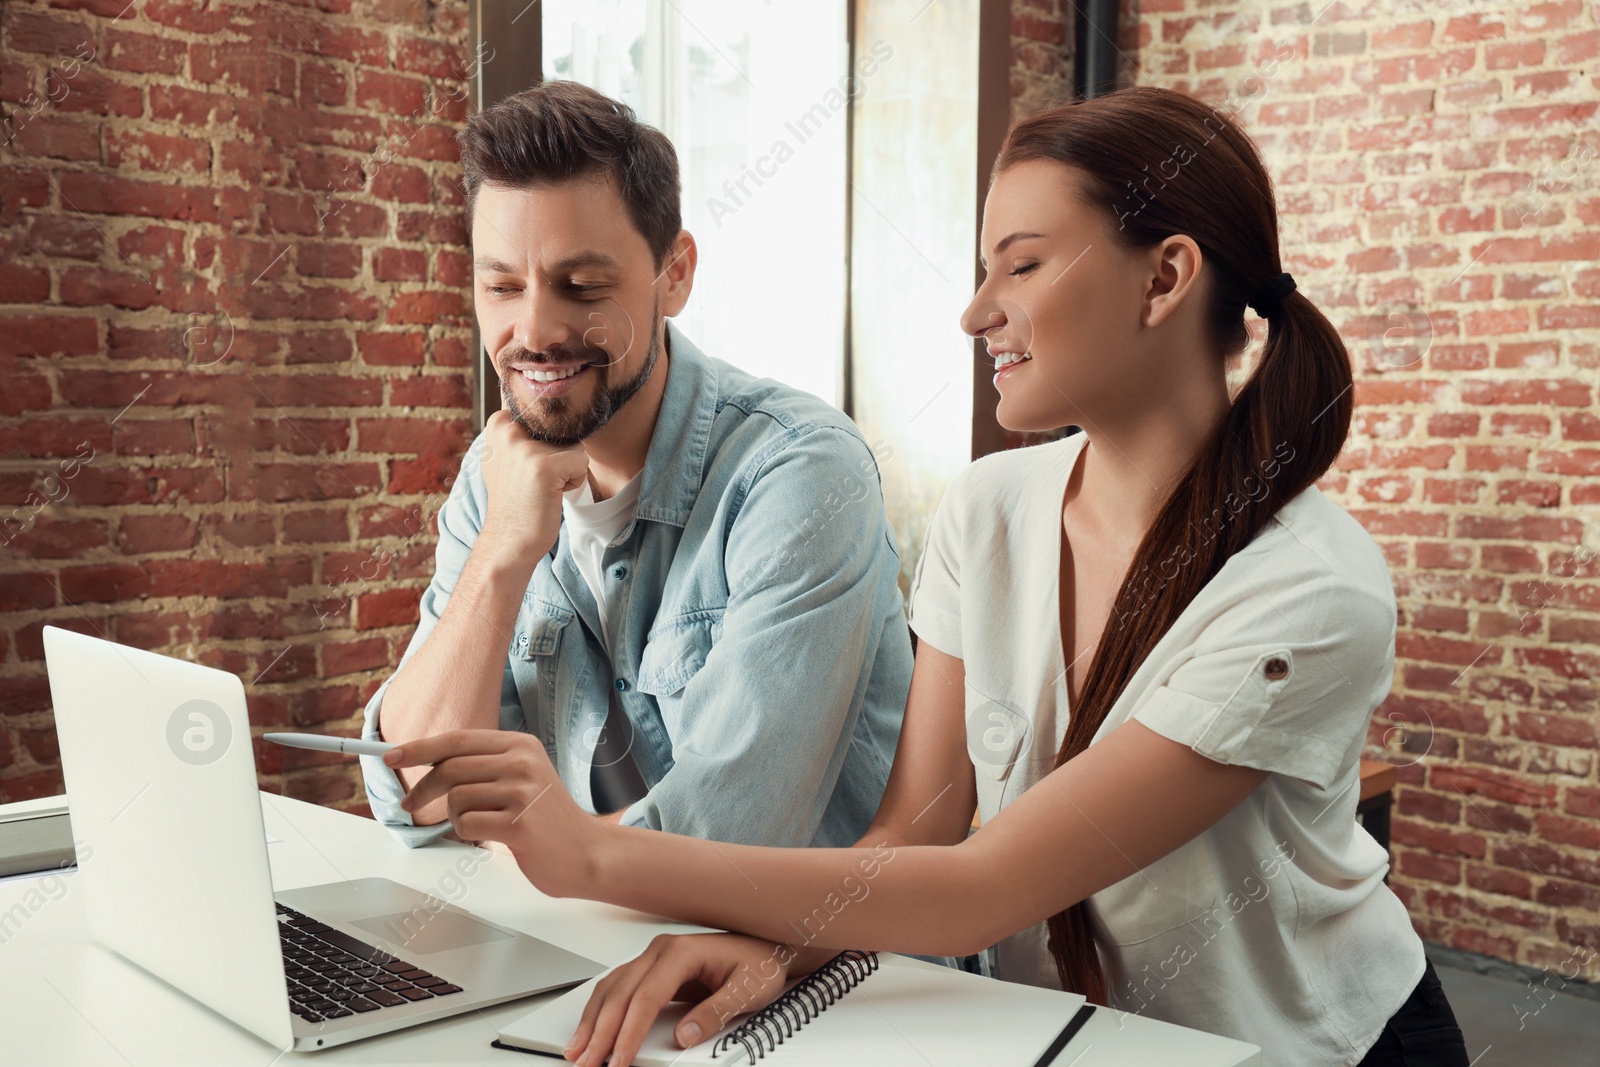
(722, 975)
(499, 785)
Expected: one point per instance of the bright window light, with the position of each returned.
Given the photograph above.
(754, 96)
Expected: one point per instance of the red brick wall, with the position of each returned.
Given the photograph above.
(234, 343)
(1041, 55)
(233, 308)
(1440, 198)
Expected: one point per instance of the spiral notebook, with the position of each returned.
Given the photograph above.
(852, 1010)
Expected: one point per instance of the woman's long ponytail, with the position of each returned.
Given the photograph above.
(1285, 426)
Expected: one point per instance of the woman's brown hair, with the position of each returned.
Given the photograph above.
(1160, 163)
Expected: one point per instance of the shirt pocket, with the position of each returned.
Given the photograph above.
(539, 637)
(535, 652)
(675, 651)
(997, 733)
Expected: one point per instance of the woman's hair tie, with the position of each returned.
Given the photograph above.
(1268, 297)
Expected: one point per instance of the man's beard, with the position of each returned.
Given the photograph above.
(557, 422)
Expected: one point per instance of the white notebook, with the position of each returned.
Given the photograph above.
(852, 1011)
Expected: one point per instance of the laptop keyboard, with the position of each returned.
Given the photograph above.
(332, 975)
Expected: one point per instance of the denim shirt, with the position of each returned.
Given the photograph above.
(760, 646)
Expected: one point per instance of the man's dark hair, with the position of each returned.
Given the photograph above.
(562, 130)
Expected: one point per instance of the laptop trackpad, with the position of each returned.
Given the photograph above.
(420, 932)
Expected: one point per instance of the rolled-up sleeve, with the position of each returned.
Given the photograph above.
(1284, 680)
(765, 722)
(459, 522)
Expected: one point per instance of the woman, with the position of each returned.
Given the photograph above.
(1148, 657)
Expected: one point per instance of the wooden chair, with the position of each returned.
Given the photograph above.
(1377, 799)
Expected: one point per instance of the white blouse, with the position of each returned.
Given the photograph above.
(1274, 926)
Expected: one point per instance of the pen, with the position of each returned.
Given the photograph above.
(1073, 1026)
(321, 743)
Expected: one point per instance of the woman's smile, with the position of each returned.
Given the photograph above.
(1007, 362)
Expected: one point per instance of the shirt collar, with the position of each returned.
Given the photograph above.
(675, 463)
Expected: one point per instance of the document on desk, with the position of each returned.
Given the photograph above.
(42, 846)
(36, 843)
(850, 1011)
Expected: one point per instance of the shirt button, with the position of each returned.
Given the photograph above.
(1276, 668)
(620, 571)
(622, 685)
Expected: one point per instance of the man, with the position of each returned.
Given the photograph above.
(679, 577)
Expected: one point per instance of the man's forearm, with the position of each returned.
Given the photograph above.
(453, 682)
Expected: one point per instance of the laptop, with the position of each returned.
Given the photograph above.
(173, 861)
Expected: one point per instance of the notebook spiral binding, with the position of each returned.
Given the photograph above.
(768, 1028)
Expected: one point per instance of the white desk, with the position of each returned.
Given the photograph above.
(65, 1000)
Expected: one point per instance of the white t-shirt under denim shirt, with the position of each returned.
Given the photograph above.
(593, 525)
(1274, 926)
(615, 781)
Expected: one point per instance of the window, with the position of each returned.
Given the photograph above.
(754, 95)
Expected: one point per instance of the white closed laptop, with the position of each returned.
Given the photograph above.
(161, 783)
